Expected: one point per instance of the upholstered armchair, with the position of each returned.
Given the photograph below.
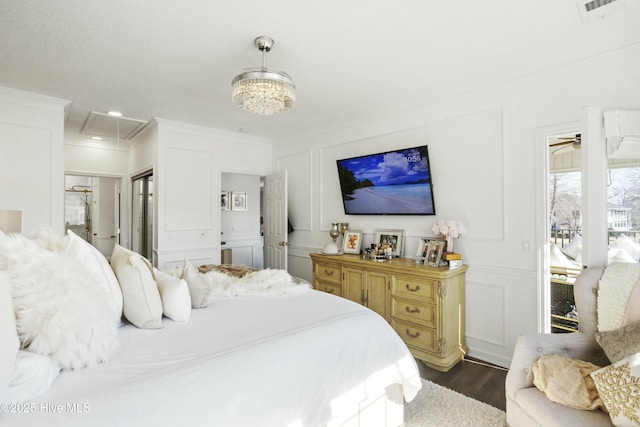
(528, 406)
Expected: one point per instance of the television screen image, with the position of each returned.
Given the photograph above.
(391, 183)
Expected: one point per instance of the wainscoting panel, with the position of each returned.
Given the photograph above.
(188, 183)
(499, 302)
(175, 258)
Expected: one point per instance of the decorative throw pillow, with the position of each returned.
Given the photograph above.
(50, 240)
(142, 305)
(619, 388)
(8, 336)
(620, 343)
(199, 289)
(174, 292)
(57, 314)
(614, 288)
(566, 381)
(99, 268)
(33, 376)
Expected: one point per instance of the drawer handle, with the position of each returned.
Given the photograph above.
(328, 272)
(416, 289)
(329, 290)
(412, 310)
(416, 335)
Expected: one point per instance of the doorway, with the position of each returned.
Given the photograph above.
(142, 214)
(92, 210)
(564, 228)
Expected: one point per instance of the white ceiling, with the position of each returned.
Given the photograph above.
(351, 60)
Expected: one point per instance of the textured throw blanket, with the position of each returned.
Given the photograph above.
(213, 281)
(616, 285)
(266, 282)
(228, 269)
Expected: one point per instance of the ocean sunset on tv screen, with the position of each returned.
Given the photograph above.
(392, 183)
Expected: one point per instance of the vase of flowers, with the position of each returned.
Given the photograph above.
(449, 229)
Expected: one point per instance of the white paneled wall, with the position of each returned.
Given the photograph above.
(32, 158)
(190, 161)
(483, 148)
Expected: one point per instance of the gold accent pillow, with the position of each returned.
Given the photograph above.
(621, 342)
(619, 388)
(566, 381)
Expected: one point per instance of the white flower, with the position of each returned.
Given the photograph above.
(449, 228)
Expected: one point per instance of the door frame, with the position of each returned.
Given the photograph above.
(122, 219)
(543, 268)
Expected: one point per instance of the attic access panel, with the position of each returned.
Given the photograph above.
(106, 126)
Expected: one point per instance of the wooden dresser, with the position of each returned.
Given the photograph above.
(425, 305)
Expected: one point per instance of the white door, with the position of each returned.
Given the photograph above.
(275, 221)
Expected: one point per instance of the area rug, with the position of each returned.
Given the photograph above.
(440, 407)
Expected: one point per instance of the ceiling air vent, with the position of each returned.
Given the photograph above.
(116, 128)
(592, 9)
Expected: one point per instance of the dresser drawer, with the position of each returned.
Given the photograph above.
(330, 288)
(329, 273)
(414, 288)
(417, 337)
(414, 312)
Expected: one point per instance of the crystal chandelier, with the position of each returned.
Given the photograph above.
(263, 91)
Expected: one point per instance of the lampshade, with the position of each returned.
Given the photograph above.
(262, 91)
(10, 221)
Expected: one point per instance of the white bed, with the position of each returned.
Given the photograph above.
(300, 360)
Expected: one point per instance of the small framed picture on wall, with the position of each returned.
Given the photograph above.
(352, 242)
(224, 200)
(238, 201)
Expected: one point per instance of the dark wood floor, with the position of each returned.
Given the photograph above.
(471, 377)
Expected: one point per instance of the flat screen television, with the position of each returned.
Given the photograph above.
(395, 182)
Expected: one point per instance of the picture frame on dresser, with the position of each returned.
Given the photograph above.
(393, 238)
(352, 242)
(433, 251)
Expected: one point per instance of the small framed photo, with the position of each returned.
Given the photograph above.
(238, 201)
(421, 253)
(224, 200)
(393, 238)
(434, 249)
(352, 242)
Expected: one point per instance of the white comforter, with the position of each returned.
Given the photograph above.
(255, 361)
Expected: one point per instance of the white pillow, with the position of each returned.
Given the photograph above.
(174, 292)
(8, 336)
(199, 288)
(142, 305)
(33, 376)
(99, 269)
(57, 314)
